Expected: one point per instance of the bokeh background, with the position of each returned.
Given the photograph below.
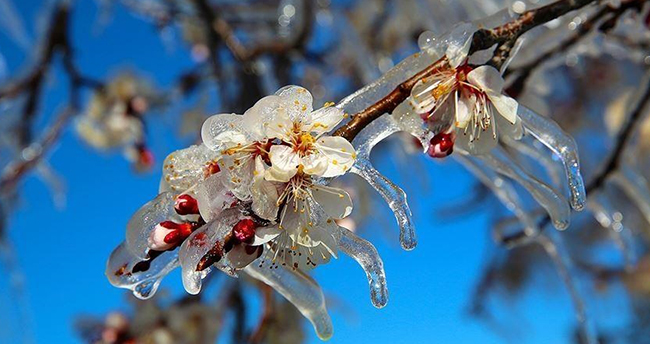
(58, 237)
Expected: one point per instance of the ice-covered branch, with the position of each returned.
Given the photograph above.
(483, 39)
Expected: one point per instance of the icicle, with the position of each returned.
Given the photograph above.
(366, 255)
(145, 220)
(610, 218)
(635, 187)
(504, 191)
(554, 203)
(394, 196)
(554, 247)
(144, 284)
(299, 289)
(528, 147)
(374, 133)
(562, 144)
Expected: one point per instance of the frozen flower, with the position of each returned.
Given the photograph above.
(305, 147)
(283, 131)
(114, 119)
(473, 96)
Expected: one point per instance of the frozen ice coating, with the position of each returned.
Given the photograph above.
(143, 283)
(635, 186)
(562, 144)
(145, 220)
(503, 190)
(212, 196)
(605, 213)
(366, 255)
(185, 167)
(371, 135)
(217, 124)
(208, 238)
(555, 204)
(302, 291)
(554, 246)
(394, 196)
(371, 93)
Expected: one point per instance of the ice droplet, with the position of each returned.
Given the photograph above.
(366, 255)
(302, 291)
(144, 283)
(562, 144)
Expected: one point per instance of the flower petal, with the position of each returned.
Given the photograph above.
(261, 115)
(336, 202)
(505, 106)
(265, 234)
(464, 108)
(487, 78)
(315, 164)
(264, 193)
(475, 146)
(280, 125)
(298, 102)
(284, 163)
(460, 41)
(323, 120)
(339, 152)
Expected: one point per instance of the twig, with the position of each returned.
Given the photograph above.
(15, 170)
(483, 39)
(621, 141)
(523, 72)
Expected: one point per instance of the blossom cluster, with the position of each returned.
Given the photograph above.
(254, 196)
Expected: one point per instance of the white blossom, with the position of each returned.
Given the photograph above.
(481, 112)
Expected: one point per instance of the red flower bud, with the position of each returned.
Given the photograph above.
(441, 145)
(186, 205)
(244, 230)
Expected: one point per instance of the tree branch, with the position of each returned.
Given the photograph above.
(483, 39)
(523, 72)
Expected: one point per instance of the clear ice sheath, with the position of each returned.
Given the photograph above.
(366, 255)
(299, 289)
(562, 144)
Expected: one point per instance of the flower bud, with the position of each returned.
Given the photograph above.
(441, 145)
(167, 235)
(186, 205)
(244, 230)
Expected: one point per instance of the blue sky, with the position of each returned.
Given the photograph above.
(62, 252)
